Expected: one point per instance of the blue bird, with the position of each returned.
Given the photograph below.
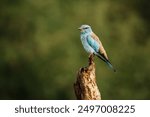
(93, 45)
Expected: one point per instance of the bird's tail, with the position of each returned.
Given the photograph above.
(110, 65)
(106, 61)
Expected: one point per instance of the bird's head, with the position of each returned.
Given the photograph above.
(85, 29)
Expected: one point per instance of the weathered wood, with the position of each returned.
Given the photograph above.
(85, 87)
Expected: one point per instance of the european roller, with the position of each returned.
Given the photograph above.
(93, 45)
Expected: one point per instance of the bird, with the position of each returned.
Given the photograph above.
(93, 45)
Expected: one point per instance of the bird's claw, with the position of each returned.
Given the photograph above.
(91, 56)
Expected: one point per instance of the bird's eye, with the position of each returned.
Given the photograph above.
(86, 28)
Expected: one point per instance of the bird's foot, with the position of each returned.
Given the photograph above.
(91, 58)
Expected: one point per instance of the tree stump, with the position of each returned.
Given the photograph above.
(85, 87)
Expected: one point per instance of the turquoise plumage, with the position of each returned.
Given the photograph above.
(93, 45)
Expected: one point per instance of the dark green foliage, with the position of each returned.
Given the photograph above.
(40, 48)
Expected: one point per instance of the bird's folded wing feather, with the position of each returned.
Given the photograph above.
(101, 49)
(93, 43)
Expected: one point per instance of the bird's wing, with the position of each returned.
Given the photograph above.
(93, 43)
(96, 44)
(101, 48)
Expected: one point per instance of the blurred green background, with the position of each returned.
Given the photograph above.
(40, 48)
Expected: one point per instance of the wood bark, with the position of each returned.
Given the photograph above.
(85, 86)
